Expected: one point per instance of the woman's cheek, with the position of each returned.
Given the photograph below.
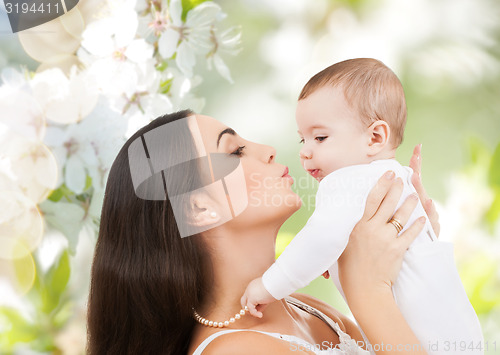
(254, 181)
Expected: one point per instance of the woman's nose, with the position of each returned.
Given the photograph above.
(263, 152)
(271, 154)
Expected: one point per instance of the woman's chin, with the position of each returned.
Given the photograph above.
(292, 207)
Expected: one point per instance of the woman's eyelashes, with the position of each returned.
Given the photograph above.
(239, 152)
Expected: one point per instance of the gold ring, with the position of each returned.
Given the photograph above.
(397, 224)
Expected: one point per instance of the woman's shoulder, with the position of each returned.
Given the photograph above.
(249, 343)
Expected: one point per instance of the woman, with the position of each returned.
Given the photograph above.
(148, 280)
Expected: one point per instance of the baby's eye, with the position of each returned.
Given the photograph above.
(301, 140)
(321, 139)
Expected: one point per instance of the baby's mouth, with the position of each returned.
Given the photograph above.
(314, 172)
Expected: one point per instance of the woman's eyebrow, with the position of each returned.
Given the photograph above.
(227, 130)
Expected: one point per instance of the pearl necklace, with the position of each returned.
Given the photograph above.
(226, 323)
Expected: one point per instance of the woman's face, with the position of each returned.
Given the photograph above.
(270, 197)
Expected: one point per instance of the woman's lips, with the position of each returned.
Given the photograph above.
(286, 175)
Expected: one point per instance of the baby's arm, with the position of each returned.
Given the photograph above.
(306, 254)
(315, 248)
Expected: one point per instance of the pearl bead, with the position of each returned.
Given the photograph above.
(223, 324)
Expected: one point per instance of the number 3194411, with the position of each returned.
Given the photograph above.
(24, 7)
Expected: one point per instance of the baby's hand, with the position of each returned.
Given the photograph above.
(256, 296)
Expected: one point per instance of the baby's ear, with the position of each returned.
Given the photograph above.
(204, 211)
(379, 134)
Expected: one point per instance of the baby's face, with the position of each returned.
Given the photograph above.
(332, 134)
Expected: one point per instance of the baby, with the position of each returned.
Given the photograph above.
(351, 118)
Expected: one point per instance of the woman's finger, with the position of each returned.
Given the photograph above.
(417, 183)
(430, 210)
(404, 212)
(416, 160)
(388, 205)
(416, 179)
(411, 233)
(377, 194)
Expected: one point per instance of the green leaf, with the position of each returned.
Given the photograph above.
(188, 5)
(18, 329)
(494, 171)
(355, 5)
(494, 212)
(56, 280)
(63, 314)
(88, 183)
(65, 217)
(165, 86)
(59, 193)
(162, 66)
(478, 277)
(56, 195)
(480, 154)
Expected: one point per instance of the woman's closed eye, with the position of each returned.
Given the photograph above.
(239, 152)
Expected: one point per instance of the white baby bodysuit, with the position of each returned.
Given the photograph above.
(428, 290)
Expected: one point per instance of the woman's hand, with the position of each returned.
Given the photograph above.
(370, 264)
(374, 254)
(416, 180)
(427, 203)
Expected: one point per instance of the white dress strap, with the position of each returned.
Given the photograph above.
(347, 346)
(295, 342)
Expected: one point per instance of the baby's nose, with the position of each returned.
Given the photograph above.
(305, 153)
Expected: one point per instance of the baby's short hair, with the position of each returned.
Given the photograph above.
(370, 88)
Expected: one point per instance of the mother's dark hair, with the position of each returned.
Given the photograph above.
(145, 278)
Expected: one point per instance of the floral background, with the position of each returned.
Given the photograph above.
(72, 90)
